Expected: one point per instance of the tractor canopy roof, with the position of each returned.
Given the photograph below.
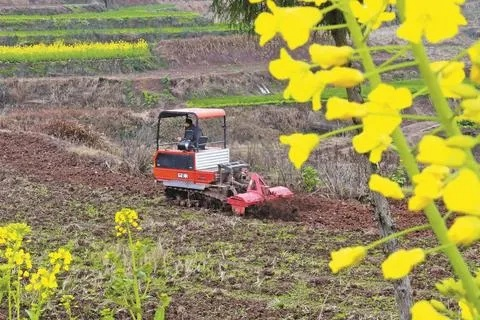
(197, 112)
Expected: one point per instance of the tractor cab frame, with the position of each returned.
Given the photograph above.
(192, 164)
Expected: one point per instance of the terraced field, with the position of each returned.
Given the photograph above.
(136, 23)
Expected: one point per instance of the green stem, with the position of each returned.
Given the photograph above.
(438, 248)
(420, 92)
(331, 27)
(419, 117)
(394, 57)
(329, 9)
(445, 116)
(339, 131)
(9, 288)
(138, 304)
(17, 301)
(397, 66)
(384, 48)
(398, 234)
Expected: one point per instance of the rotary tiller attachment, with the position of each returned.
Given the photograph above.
(259, 197)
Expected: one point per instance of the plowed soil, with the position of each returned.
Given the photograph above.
(46, 160)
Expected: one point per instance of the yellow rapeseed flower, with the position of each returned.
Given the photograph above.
(471, 109)
(385, 186)
(346, 257)
(436, 20)
(43, 281)
(13, 234)
(450, 287)
(371, 12)
(462, 194)
(461, 141)
(286, 67)
(474, 54)
(369, 141)
(308, 86)
(383, 93)
(126, 216)
(438, 305)
(428, 186)
(61, 51)
(450, 75)
(301, 145)
(465, 230)
(401, 262)
(423, 310)
(417, 203)
(344, 77)
(382, 118)
(434, 150)
(304, 85)
(61, 258)
(330, 56)
(342, 109)
(293, 24)
(467, 311)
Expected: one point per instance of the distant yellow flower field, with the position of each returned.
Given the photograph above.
(80, 51)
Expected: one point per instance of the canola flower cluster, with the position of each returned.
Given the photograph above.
(60, 51)
(15, 260)
(126, 219)
(449, 172)
(44, 281)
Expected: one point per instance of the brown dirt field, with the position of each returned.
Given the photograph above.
(44, 159)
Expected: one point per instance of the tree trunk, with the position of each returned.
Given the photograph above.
(108, 3)
(403, 290)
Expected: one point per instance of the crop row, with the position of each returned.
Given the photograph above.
(94, 24)
(82, 51)
(256, 100)
(132, 31)
(122, 13)
(145, 16)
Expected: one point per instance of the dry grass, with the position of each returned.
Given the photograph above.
(217, 50)
(342, 173)
(78, 92)
(74, 132)
(124, 139)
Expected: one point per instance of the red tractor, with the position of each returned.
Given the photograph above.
(197, 172)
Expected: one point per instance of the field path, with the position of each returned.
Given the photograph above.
(172, 73)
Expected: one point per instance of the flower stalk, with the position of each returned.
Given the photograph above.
(445, 116)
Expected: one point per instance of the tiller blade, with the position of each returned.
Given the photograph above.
(257, 193)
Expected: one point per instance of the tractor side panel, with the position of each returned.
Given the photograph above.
(179, 166)
(191, 176)
(209, 159)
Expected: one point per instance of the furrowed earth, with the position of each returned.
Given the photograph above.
(76, 145)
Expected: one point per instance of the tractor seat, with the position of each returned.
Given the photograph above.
(202, 142)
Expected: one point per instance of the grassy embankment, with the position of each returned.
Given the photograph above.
(277, 98)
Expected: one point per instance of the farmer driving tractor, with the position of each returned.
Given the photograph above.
(192, 132)
(191, 136)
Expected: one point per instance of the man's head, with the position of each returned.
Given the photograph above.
(188, 122)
